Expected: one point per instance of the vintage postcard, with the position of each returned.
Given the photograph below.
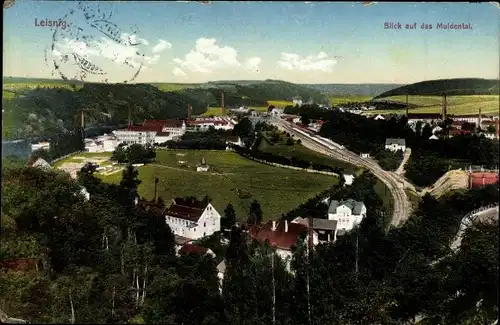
(244, 162)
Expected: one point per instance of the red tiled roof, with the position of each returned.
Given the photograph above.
(457, 122)
(483, 178)
(142, 128)
(490, 122)
(172, 123)
(278, 238)
(152, 207)
(186, 209)
(193, 249)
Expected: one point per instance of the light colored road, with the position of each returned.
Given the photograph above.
(481, 215)
(406, 156)
(402, 206)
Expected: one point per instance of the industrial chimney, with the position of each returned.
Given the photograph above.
(286, 225)
(444, 113)
(274, 225)
(406, 105)
(479, 119)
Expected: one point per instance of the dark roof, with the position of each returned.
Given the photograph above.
(188, 209)
(459, 132)
(233, 138)
(142, 128)
(318, 224)
(278, 238)
(398, 141)
(193, 249)
(179, 240)
(163, 134)
(355, 206)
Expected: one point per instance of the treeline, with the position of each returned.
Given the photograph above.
(133, 154)
(61, 145)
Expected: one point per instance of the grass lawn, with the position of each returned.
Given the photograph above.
(278, 190)
(455, 104)
(279, 103)
(215, 111)
(76, 158)
(345, 99)
(301, 152)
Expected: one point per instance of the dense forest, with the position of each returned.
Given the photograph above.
(459, 86)
(46, 111)
(107, 261)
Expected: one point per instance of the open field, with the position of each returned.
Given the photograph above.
(345, 99)
(455, 104)
(172, 86)
(301, 152)
(277, 189)
(33, 85)
(74, 163)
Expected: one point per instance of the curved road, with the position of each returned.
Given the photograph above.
(402, 206)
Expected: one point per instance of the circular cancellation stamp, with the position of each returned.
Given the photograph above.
(88, 46)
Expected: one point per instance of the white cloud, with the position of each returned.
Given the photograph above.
(208, 56)
(319, 62)
(162, 46)
(253, 63)
(131, 51)
(179, 73)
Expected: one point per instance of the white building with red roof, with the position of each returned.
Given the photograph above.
(192, 219)
(151, 131)
(217, 122)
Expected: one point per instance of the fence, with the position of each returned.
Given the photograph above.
(65, 156)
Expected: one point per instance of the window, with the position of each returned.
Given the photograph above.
(204, 224)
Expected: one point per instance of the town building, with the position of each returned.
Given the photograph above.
(395, 144)
(348, 179)
(193, 219)
(456, 132)
(221, 270)
(151, 132)
(83, 192)
(348, 213)
(103, 143)
(39, 162)
(316, 126)
(326, 229)
(297, 101)
(481, 179)
(379, 117)
(277, 112)
(282, 236)
(364, 155)
(433, 137)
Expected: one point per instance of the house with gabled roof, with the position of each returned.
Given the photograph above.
(283, 236)
(190, 248)
(348, 213)
(326, 229)
(191, 218)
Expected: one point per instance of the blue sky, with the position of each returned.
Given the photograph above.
(292, 41)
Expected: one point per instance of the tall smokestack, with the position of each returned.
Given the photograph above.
(310, 242)
(156, 187)
(274, 225)
(444, 113)
(406, 105)
(189, 113)
(286, 225)
(222, 103)
(82, 120)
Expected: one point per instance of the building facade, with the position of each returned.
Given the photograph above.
(348, 213)
(395, 144)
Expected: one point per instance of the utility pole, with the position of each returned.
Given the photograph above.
(274, 289)
(309, 250)
(357, 247)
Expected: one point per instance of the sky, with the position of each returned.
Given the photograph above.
(300, 42)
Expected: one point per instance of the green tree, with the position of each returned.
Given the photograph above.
(129, 184)
(120, 155)
(427, 131)
(255, 213)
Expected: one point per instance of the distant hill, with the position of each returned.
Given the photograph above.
(352, 89)
(462, 86)
(32, 110)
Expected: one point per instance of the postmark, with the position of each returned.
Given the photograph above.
(94, 51)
